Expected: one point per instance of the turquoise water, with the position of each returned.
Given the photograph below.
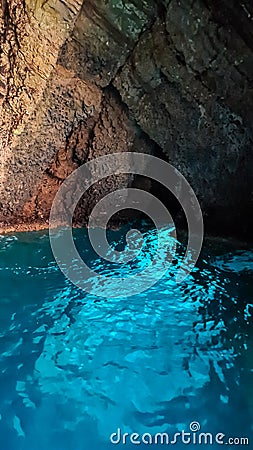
(74, 367)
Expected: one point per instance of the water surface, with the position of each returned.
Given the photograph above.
(74, 367)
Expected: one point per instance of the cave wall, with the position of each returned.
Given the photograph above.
(81, 79)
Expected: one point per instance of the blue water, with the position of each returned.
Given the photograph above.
(74, 367)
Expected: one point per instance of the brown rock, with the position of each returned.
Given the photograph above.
(81, 79)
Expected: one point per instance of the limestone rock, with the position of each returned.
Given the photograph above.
(168, 77)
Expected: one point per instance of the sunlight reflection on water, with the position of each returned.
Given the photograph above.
(75, 367)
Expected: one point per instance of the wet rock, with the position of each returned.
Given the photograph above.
(81, 79)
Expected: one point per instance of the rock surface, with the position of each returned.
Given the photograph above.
(82, 79)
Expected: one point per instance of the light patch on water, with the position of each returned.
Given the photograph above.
(75, 367)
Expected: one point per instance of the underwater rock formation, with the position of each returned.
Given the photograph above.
(168, 77)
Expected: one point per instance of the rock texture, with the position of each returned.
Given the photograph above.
(81, 79)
